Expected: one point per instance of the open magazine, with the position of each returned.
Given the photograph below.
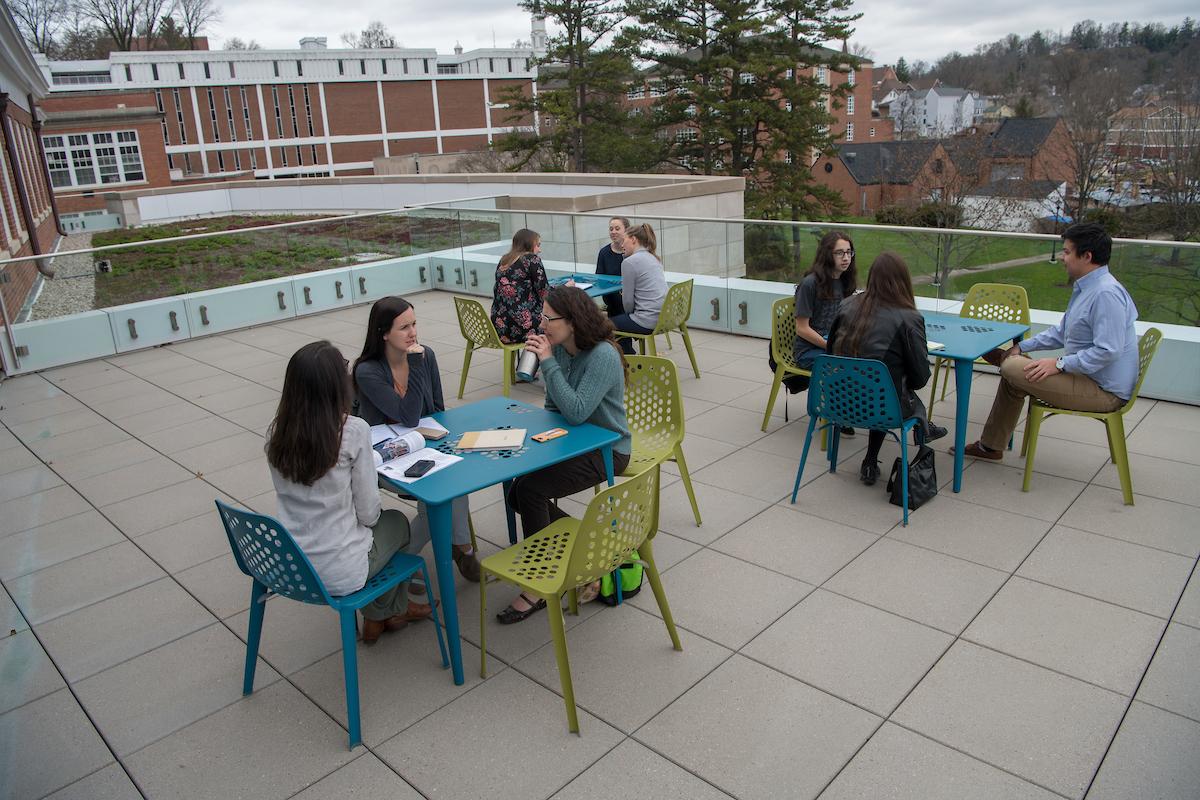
(397, 448)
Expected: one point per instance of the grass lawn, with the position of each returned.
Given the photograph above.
(243, 256)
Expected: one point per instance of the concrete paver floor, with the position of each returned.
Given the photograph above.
(1004, 645)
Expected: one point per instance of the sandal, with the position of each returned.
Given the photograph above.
(589, 592)
(510, 615)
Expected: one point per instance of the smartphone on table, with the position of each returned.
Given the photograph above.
(419, 468)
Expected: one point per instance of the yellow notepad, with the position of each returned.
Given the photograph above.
(504, 439)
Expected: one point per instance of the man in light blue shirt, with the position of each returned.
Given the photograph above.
(1099, 365)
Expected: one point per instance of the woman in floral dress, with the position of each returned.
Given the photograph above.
(520, 288)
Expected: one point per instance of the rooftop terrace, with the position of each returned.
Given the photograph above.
(1003, 645)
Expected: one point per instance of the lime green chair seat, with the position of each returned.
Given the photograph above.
(1113, 420)
(997, 302)
(654, 412)
(480, 333)
(676, 310)
(570, 553)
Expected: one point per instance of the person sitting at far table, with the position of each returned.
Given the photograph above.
(1099, 365)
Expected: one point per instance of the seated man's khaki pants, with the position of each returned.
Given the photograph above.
(1064, 390)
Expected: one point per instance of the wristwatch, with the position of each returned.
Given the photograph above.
(1059, 364)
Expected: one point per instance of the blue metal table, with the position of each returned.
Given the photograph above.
(965, 340)
(481, 469)
(600, 284)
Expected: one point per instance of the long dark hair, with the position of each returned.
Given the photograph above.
(889, 285)
(523, 242)
(383, 314)
(306, 434)
(824, 263)
(590, 325)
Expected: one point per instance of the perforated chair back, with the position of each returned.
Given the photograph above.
(676, 307)
(616, 522)
(783, 331)
(1147, 347)
(265, 551)
(476, 326)
(854, 392)
(998, 302)
(653, 404)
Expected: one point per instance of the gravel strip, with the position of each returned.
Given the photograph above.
(73, 287)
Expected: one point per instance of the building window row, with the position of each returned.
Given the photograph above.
(90, 159)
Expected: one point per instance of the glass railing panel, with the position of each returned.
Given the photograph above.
(1162, 277)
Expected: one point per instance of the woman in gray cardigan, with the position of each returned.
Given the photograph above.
(643, 285)
(398, 382)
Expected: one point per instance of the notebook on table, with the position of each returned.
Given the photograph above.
(502, 439)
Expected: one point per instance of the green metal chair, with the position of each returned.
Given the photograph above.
(654, 411)
(480, 333)
(1113, 420)
(570, 553)
(783, 343)
(997, 302)
(676, 310)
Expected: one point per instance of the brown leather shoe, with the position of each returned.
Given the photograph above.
(414, 613)
(468, 564)
(977, 450)
(372, 629)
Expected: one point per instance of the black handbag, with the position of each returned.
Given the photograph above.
(922, 480)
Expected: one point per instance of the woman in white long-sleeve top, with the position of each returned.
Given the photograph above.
(323, 469)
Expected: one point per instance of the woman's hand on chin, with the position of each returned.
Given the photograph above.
(416, 349)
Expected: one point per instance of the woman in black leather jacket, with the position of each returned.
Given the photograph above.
(883, 323)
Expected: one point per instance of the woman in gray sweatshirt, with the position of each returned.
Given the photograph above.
(643, 285)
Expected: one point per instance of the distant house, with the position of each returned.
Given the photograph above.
(1030, 149)
(936, 111)
(870, 175)
(1015, 205)
(1154, 130)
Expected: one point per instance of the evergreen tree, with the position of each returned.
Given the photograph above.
(902, 73)
(579, 106)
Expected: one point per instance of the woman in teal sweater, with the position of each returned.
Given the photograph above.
(584, 373)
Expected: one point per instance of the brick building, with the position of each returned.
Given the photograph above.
(28, 219)
(870, 175)
(1030, 149)
(156, 119)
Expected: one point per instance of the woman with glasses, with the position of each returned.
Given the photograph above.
(323, 469)
(832, 277)
(398, 382)
(883, 323)
(584, 373)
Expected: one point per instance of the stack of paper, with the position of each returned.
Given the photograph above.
(501, 439)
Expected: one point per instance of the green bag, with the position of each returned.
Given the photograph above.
(630, 573)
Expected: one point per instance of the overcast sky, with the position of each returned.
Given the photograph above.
(926, 31)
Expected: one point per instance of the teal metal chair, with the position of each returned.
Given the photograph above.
(264, 550)
(857, 393)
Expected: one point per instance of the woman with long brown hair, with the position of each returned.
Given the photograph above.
(883, 323)
(608, 261)
(398, 382)
(323, 469)
(584, 373)
(520, 288)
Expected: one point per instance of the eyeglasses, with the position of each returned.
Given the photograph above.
(843, 254)
(547, 316)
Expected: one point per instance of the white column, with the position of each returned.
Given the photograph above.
(325, 125)
(199, 130)
(536, 123)
(266, 135)
(437, 117)
(383, 129)
(487, 110)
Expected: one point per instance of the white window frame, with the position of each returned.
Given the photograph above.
(849, 131)
(103, 154)
(850, 104)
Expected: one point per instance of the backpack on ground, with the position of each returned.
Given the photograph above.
(631, 573)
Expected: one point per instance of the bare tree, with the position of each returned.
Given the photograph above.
(39, 21)
(117, 18)
(375, 36)
(195, 16)
(152, 15)
(1090, 90)
(1175, 172)
(238, 44)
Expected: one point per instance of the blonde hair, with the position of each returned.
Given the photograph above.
(645, 236)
